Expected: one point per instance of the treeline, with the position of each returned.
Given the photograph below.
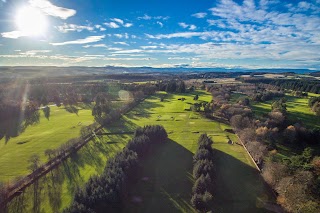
(312, 86)
(172, 86)
(314, 104)
(262, 96)
(109, 190)
(203, 173)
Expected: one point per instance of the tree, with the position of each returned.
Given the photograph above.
(181, 87)
(49, 153)
(102, 108)
(240, 122)
(34, 162)
(280, 106)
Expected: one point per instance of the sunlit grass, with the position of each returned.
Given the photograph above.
(47, 134)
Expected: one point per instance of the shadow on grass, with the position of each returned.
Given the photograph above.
(72, 109)
(239, 187)
(165, 183)
(142, 110)
(122, 125)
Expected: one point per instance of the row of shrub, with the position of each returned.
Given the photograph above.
(109, 190)
(203, 173)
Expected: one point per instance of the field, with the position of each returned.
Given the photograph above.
(166, 181)
(47, 134)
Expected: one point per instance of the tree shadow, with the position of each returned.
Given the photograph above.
(122, 125)
(72, 109)
(165, 182)
(16, 123)
(239, 187)
(143, 109)
(46, 112)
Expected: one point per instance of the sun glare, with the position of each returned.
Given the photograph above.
(31, 22)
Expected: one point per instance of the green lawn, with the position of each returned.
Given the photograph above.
(166, 181)
(47, 134)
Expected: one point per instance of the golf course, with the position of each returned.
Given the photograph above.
(166, 178)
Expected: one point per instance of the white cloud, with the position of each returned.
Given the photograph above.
(203, 35)
(116, 22)
(160, 23)
(149, 47)
(90, 39)
(52, 10)
(95, 45)
(128, 25)
(73, 27)
(115, 49)
(128, 59)
(179, 58)
(192, 27)
(189, 26)
(34, 52)
(124, 35)
(112, 25)
(13, 34)
(183, 25)
(147, 17)
(199, 15)
(128, 51)
(121, 42)
(98, 26)
(120, 21)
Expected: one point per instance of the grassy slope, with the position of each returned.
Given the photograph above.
(51, 133)
(167, 179)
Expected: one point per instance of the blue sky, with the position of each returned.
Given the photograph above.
(161, 33)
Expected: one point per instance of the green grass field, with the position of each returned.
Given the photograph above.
(47, 134)
(166, 181)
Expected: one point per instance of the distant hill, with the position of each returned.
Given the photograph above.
(49, 71)
(315, 74)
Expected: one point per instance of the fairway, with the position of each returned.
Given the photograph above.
(47, 134)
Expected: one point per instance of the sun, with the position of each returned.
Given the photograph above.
(31, 21)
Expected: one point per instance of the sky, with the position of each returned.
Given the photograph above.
(161, 33)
